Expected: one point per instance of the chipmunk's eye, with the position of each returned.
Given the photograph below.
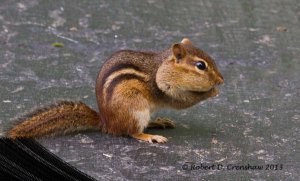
(201, 65)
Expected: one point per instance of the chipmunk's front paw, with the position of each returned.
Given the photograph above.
(214, 92)
(161, 123)
(150, 138)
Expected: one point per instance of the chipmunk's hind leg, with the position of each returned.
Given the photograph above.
(142, 119)
(134, 115)
(161, 123)
(150, 138)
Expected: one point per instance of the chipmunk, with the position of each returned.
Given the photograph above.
(130, 86)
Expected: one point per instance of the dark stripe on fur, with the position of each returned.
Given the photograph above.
(118, 80)
(117, 68)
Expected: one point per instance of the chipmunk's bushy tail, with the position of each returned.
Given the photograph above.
(61, 118)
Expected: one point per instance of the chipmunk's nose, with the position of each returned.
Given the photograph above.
(219, 80)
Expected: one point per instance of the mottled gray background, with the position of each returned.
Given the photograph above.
(255, 119)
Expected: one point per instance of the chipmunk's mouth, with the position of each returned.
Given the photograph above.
(203, 91)
(214, 90)
(200, 91)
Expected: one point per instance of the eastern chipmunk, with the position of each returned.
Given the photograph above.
(130, 86)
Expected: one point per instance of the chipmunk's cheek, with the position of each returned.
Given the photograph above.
(205, 85)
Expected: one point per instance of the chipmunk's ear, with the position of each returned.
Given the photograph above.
(186, 41)
(179, 52)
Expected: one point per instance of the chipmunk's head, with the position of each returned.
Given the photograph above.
(188, 69)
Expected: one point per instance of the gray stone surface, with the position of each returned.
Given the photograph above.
(255, 119)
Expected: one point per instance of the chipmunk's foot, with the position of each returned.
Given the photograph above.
(150, 138)
(161, 123)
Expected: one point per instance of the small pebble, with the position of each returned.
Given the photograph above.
(214, 141)
(107, 155)
(73, 29)
(281, 28)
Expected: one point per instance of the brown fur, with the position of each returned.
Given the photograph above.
(130, 86)
(56, 119)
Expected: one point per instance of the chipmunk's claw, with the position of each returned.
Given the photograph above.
(150, 138)
(161, 123)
